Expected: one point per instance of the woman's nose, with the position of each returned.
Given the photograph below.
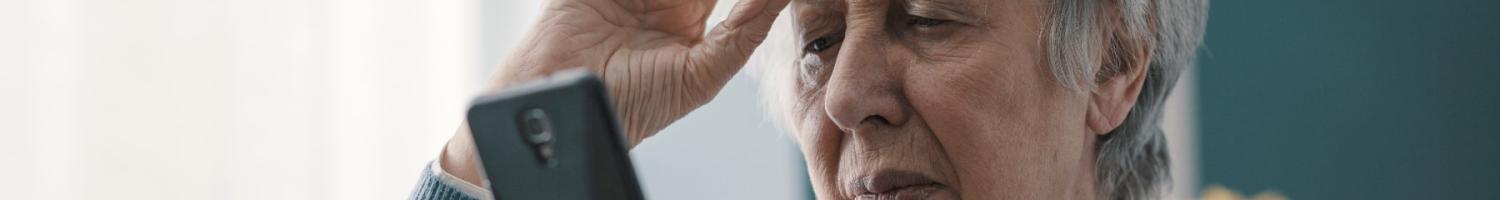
(865, 91)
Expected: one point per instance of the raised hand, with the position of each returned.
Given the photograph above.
(652, 54)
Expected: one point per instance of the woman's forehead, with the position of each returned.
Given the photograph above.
(806, 9)
(837, 4)
(816, 6)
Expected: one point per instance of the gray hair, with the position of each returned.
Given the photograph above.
(1132, 160)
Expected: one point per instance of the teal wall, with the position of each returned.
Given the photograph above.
(1352, 99)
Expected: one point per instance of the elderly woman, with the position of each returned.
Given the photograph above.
(894, 99)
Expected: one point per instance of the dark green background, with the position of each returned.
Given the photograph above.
(1352, 99)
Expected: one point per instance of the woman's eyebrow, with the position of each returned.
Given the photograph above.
(949, 9)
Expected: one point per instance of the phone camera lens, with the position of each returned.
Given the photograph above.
(536, 127)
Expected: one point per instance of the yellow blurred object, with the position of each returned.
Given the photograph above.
(1218, 192)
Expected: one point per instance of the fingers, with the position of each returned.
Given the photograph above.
(725, 49)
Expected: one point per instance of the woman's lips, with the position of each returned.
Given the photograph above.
(892, 184)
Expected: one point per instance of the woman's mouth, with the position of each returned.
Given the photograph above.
(893, 185)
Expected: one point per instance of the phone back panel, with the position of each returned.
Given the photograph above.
(587, 158)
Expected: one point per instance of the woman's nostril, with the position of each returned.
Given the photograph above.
(868, 123)
(876, 119)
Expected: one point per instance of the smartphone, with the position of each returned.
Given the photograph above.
(555, 138)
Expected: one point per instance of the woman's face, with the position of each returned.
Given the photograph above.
(946, 99)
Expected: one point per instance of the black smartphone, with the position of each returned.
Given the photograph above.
(555, 138)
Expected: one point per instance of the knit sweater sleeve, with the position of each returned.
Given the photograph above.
(436, 184)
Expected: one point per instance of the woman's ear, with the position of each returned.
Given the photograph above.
(1118, 85)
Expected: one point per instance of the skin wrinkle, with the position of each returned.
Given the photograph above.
(681, 86)
(807, 72)
(653, 12)
(820, 153)
(651, 82)
(688, 90)
(844, 166)
(969, 39)
(633, 96)
(951, 10)
(695, 72)
(765, 13)
(947, 51)
(678, 91)
(692, 29)
(729, 41)
(723, 27)
(613, 19)
(529, 65)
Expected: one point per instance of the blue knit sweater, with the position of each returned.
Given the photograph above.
(437, 184)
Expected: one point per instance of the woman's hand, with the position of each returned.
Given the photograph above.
(652, 54)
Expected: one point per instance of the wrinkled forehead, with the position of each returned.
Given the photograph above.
(806, 11)
(841, 3)
(813, 2)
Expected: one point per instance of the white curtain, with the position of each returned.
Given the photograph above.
(221, 99)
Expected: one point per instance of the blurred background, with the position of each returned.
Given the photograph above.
(1352, 99)
(344, 99)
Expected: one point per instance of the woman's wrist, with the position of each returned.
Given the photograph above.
(461, 159)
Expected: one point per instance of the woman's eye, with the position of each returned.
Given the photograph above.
(818, 45)
(919, 21)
